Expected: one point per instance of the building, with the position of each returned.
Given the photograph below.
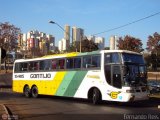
(77, 34)
(24, 45)
(113, 43)
(63, 45)
(38, 42)
(60, 45)
(67, 32)
(51, 41)
(100, 41)
(91, 37)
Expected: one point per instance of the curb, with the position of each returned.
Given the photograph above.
(5, 86)
(5, 109)
(5, 114)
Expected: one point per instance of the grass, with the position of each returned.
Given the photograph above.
(156, 95)
(154, 74)
(4, 71)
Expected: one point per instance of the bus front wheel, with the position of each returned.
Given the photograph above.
(26, 91)
(96, 96)
(34, 92)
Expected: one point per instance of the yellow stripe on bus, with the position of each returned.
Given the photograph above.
(55, 83)
(61, 55)
(72, 54)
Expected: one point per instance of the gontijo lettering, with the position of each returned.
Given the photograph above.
(47, 75)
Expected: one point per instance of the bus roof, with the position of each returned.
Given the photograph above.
(74, 54)
(122, 51)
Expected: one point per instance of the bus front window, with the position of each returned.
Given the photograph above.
(134, 70)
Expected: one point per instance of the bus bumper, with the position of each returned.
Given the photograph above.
(139, 97)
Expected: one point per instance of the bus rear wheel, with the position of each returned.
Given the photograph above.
(95, 96)
(34, 92)
(26, 91)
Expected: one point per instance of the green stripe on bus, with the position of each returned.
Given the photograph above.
(65, 83)
(75, 83)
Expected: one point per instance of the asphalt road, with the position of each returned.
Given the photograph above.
(57, 108)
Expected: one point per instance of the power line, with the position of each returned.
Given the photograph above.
(127, 24)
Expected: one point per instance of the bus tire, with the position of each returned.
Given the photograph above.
(96, 96)
(26, 91)
(34, 92)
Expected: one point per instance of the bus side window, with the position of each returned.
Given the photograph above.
(17, 67)
(54, 64)
(31, 66)
(115, 58)
(69, 63)
(47, 64)
(112, 58)
(108, 58)
(61, 63)
(77, 62)
(86, 61)
(96, 61)
(41, 65)
(37, 66)
(24, 66)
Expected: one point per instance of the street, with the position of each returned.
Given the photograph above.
(49, 107)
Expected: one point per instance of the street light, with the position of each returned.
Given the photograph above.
(52, 22)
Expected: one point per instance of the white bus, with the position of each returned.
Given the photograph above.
(111, 75)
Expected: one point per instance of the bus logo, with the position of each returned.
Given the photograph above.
(114, 95)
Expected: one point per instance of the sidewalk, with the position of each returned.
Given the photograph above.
(5, 80)
(154, 76)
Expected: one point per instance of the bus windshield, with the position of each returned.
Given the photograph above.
(135, 72)
(132, 58)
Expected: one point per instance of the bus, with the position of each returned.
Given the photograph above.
(109, 75)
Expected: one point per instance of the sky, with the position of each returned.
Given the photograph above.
(93, 16)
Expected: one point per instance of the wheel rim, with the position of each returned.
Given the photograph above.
(34, 92)
(26, 91)
(94, 97)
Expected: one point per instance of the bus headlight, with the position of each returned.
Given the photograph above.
(130, 91)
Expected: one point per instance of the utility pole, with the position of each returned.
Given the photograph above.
(80, 44)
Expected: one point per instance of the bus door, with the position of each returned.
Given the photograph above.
(116, 76)
(113, 69)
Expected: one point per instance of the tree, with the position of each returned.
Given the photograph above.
(86, 46)
(106, 48)
(8, 36)
(153, 46)
(153, 43)
(72, 48)
(130, 43)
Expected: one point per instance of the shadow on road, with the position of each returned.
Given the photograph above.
(152, 102)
